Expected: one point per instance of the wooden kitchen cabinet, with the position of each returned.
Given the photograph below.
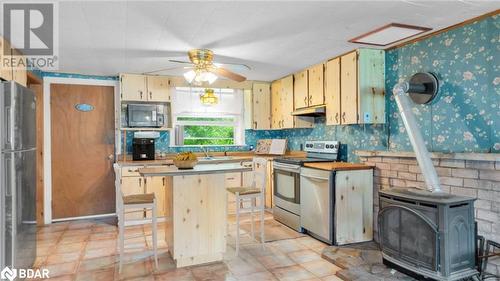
(5, 71)
(158, 88)
(282, 100)
(301, 89)
(354, 206)
(332, 92)
(133, 87)
(261, 106)
(316, 85)
(158, 186)
(19, 72)
(276, 104)
(362, 87)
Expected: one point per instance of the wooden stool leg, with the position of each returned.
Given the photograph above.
(155, 234)
(237, 223)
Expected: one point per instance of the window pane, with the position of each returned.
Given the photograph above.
(209, 119)
(208, 135)
(208, 141)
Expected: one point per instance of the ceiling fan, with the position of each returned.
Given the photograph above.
(203, 69)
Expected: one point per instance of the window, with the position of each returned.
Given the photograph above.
(198, 124)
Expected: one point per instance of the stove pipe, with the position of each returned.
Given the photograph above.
(422, 88)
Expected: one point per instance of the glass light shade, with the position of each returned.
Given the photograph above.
(189, 76)
(211, 77)
(209, 98)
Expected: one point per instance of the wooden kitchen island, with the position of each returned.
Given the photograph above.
(196, 210)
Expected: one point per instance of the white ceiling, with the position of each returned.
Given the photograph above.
(273, 38)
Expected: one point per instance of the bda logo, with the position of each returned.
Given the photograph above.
(8, 273)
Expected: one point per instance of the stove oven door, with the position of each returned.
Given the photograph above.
(287, 187)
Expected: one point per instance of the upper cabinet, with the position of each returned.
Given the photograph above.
(301, 89)
(354, 88)
(261, 106)
(332, 92)
(316, 85)
(135, 87)
(18, 72)
(282, 102)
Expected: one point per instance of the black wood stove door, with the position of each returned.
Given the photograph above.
(409, 236)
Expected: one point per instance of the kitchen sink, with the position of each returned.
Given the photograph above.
(215, 158)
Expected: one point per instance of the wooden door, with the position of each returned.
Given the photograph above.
(349, 88)
(133, 87)
(316, 85)
(5, 71)
(82, 150)
(38, 90)
(19, 72)
(287, 102)
(276, 104)
(132, 186)
(332, 92)
(261, 113)
(157, 185)
(301, 90)
(158, 88)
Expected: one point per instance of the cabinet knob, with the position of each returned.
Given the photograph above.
(343, 116)
(337, 117)
(150, 95)
(140, 93)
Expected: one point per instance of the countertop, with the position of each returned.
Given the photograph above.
(211, 168)
(337, 166)
(230, 157)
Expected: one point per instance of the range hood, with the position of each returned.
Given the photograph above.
(318, 110)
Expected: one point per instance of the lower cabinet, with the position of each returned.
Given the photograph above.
(132, 183)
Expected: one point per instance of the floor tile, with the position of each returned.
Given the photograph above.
(181, 274)
(304, 256)
(331, 278)
(292, 273)
(288, 245)
(70, 248)
(61, 269)
(102, 252)
(97, 264)
(97, 275)
(260, 276)
(320, 268)
(62, 258)
(275, 261)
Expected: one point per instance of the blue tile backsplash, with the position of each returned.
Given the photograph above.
(465, 117)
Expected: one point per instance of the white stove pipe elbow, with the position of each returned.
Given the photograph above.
(404, 103)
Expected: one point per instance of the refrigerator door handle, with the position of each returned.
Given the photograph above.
(8, 176)
(8, 126)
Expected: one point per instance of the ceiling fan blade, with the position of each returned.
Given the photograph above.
(241, 66)
(227, 74)
(180, 61)
(167, 69)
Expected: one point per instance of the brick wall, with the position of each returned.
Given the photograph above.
(466, 174)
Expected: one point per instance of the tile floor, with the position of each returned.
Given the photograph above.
(87, 250)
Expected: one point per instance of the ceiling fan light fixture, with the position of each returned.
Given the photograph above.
(211, 77)
(190, 76)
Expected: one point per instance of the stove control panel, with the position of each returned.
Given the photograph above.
(322, 146)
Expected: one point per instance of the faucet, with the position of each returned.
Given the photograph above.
(205, 150)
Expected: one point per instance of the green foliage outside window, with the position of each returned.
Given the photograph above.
(208, 135)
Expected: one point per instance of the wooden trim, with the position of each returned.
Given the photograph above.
(442, 155)
(451, 27)
(32, 78)
(407, 26)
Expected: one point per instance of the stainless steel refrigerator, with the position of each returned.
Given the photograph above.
(18, 179)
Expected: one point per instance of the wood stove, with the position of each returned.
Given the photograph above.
(427, 234)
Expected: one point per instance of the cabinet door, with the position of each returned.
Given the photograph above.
(133, 87)
(19, 73)
(316, 85)
(332, 92)
(131, 186)
(5, 72)
(287, 119)
(371, 83)
(349, 88)
(354, 203)
(261, 113)
(158, 88)
(276, 104)
(157, 185)
(301, 90)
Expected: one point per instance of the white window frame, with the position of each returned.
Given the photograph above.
(237, 123)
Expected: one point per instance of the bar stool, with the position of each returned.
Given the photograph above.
(137, 202)
(251, 193)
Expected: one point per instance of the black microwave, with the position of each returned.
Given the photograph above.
(146, 115)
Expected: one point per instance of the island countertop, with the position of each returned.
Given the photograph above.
(199, 169)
